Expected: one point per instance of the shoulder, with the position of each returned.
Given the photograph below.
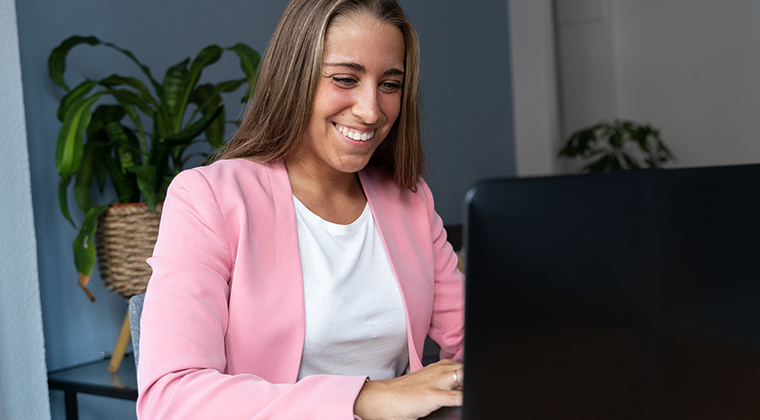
(232, 192)
(230, 176)
(229, 169)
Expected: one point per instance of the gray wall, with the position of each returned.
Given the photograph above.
(467, 116)
(467, 95)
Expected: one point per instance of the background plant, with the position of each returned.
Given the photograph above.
(618, 146)
(112, 143)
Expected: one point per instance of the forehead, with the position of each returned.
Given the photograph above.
(362, 37)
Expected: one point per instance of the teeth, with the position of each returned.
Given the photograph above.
(356, 135)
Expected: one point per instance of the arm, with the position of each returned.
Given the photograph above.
(429, 388)
(411, 396)
(447, 323)
(183, 364)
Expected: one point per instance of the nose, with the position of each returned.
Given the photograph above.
(367, 104)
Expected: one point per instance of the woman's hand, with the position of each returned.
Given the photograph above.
(412, 396)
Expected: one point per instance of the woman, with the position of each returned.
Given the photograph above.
(298, 276)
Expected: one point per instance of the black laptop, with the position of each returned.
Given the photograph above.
(620, 296)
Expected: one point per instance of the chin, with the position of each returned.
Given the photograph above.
(353, 167)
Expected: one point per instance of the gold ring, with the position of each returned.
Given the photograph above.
(456, 378)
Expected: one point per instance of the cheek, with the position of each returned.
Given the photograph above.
(329, 100)
(391, 107)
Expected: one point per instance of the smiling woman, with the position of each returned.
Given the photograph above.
(299, 275)
(356, 103)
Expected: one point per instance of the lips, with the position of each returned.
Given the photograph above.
(355, 134)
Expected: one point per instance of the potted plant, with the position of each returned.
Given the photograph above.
(618, 146)
(112, 145)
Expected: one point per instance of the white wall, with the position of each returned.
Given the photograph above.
(585, 54)
(692, 68)
(689, 67)
(23, 379)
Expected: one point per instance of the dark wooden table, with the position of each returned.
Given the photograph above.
(95, 379)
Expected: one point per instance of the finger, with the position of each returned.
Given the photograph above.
(448, 373)
(450, 398)
(458, 378)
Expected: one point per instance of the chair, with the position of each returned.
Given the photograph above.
(135, 311)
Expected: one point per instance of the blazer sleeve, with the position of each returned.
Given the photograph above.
(447, 322)
(182, 368)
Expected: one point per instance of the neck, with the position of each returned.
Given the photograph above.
(327, 182)
(336, 197)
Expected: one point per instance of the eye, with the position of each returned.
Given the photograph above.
(344, 81)
(391, 86)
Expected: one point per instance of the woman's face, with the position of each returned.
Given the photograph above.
(358, 96)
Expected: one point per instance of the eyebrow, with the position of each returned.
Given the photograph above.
(361, 68)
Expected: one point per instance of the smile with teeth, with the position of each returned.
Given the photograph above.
(355, 135)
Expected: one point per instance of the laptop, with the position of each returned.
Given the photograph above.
(629, 295)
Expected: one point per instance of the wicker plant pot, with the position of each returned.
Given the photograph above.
(125, 238)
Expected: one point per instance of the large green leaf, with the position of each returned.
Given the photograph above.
(230, 85)
(118, 134)
(84, 245)
(57, 60)
(104, 114)
(70, 139)
(63, 199)
(135, 117)
(179, 84)
(132, 98)
(249, 58)
(84, 178)
(98, 141)
(78, 92)
(125, 187)
(100, 167)
(96, 123)
(196, 128)
(207, 56)
(174, 89)
(113, 81)
(206, 97)
(142, 66)
(249, 62)
(147, 181)
(112, 140)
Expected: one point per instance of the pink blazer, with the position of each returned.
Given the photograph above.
(223, 325)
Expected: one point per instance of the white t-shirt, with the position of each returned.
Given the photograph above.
(355, 318)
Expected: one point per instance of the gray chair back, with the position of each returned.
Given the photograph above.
(135, 311)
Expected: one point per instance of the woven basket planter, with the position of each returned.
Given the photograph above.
(125, 238)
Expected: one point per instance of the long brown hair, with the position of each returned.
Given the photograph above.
(278, 112)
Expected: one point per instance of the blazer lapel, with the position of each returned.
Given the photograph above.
(385, 201)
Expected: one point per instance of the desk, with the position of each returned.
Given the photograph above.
(95, 379)
(445, 413)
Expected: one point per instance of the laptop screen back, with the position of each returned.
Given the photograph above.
(627, 296)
